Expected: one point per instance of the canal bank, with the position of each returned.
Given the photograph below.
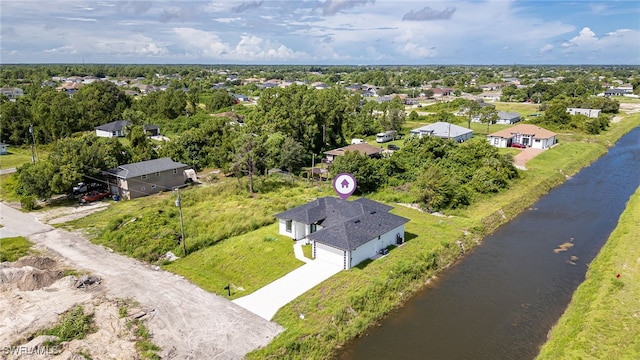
(603, 319)
(503, 298)
(343, 307)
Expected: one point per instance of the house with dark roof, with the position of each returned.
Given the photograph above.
(527, 135)
(144, 178)
(343, 232)
(362, 148)
(117, 129)
(443, 130)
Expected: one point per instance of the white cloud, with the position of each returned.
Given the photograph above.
(546, 48)
(586, 37)
(249, 48)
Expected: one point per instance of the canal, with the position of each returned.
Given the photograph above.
(502, 299)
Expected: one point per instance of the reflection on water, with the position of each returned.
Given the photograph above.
(503, 298)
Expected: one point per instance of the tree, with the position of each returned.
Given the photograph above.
(99, 103)
(248, 157)
(141, 146)
(428, 93)
(472, 109)
(220, 99)
(489, 115)
(365, 169)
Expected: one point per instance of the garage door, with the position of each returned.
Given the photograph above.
(329, 254)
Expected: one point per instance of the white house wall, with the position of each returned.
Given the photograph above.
(102, 133)
(370, 249)
(498, 142)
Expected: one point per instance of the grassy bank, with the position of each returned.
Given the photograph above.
(342, 307)
(603, 319)
(13, 248)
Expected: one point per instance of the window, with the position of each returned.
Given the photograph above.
(496, 141)
(288, 225)
(153, 186)
(175, 171)
(158, 174)
(143, 177)
(142, 188)
(313, 228)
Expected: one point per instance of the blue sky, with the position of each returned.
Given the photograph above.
(358, 32)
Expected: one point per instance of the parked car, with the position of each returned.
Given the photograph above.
(94, 196)
(519, 146)
(80, 188)
(393, 147)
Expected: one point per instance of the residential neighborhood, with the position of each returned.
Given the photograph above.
(218, 179)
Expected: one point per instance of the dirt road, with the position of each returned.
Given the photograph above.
(190, 323)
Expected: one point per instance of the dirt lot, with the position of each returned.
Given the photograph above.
(34, 292)
(188, 322)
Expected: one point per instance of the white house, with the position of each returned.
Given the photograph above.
(4, 149)
(444, 130)
(343, 232)
(527, 135)
(117, 129)
(592, 113)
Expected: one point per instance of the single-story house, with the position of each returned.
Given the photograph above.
(528, 135)
(444, 130)
(363, 149)
(592, 113)
(144, 178)
(343, 232)
(4, 149)
(117, 129)
(504, 118)
(12, 93)
(508, 118)
(240, 97)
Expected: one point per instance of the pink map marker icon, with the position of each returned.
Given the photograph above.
(344, 184)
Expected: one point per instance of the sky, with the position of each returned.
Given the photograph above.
(320, 32)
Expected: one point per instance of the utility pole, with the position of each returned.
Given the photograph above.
(33, 144)
(179, 205)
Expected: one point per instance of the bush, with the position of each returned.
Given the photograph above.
(28, 202)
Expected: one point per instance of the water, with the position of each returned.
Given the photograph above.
(503, 298)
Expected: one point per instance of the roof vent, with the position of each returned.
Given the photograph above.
(372, 212)
(356, 221)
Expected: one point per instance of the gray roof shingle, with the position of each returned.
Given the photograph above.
(346, 224)
(145, 168)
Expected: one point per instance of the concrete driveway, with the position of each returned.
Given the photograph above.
(266, 301)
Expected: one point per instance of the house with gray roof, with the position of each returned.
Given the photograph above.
(444, 130)
(144, 178)
(342, 232)
(117, 129)
(508, 118)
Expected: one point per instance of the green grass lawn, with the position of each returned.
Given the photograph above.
(16, 157)
(13, 248)
(8, 183)
(247, 262)
(603, 319)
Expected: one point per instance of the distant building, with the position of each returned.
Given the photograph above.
(363, 149)
(444, 130)
(592, 113)
(4, 149)
(117, 129)
(12, 93)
